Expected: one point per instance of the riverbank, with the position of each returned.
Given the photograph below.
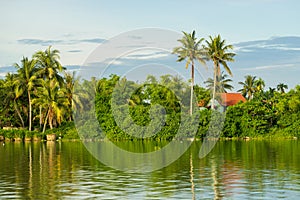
(68, 132)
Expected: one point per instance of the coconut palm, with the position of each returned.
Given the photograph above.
(249, 87)
(76, 97)
(53, 100)
(222, 85)
(25, 81)
(218, 52)
(49, 65)
(12, 94)
(190, 50)
(281, 87)
(259, 84)
(48, 70)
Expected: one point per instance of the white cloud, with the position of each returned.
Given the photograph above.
(141, 54)
(288, 48)
(146, 55)
(113, 61)
(242, 49)
(266, 67)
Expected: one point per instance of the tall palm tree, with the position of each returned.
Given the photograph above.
(249, 87)
(218, 52)
(190, 50)
(281, 87)
(49, 65)
(222, 85)
(25, 81)
(48, 70)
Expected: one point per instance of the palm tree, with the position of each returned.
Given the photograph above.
(49, 65)
(76, 97)
(190, 50)
(222, 85)
(249, 87)
(259, 84)
(48, 70)
(217, 51)
(25, 81)
(53, 99)
(281, 87)
(12, 94)
(271, 90)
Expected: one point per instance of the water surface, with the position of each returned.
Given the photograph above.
(233, 170)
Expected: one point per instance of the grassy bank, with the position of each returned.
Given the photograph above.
(66, 131)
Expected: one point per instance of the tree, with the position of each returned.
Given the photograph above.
(281, 87)
(48, 70)
(49, 65)
(25, 81)
(259, 84)
(222, 85)
(190, 50)
(53, 100)
(249, 87)
(217, 51)
(76, 97)
(12, 94)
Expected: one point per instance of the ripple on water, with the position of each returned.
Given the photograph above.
(231, 172)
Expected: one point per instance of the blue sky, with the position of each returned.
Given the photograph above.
(77, 27)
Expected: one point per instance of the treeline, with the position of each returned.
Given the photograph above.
(40, 94)
(267, 113)
(115, 96)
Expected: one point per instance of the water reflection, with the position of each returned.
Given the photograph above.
(233, 170)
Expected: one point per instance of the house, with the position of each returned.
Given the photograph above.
(224, 100)
(230, 99)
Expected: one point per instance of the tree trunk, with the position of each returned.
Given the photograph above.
(46, 119)
(214, 89)
(41, 118)
(50, 118)
(19, 114)
(30, 111)
(192, 89)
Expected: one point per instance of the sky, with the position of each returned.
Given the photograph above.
(265, 33)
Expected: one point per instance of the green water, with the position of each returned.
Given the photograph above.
(233, 170)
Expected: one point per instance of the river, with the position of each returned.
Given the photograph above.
(232, 170)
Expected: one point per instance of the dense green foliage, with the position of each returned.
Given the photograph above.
(39, 95)
(268, 113)
(126, 110)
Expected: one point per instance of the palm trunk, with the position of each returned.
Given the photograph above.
(30, 109)
(192, 89)
(50, 118)
(41, 118)
(214, 89)
(46, 119)
(19, 114)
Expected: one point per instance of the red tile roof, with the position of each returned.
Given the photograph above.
(229, 99)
